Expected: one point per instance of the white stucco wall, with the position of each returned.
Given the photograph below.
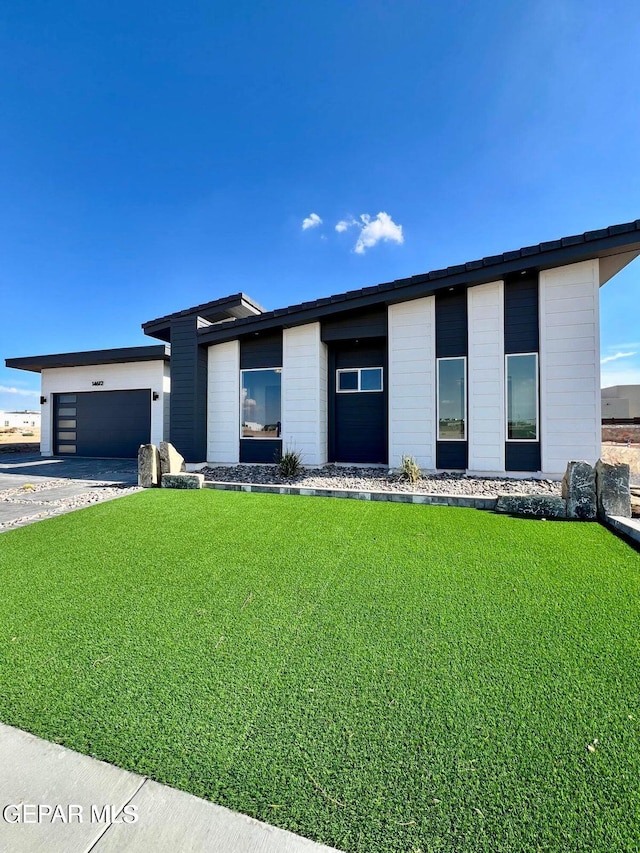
(486, 433)
(223, 404)
(304, 393)
(570, 422)
(166, 404)
(20, 420)
(115, 377)
(411, 382)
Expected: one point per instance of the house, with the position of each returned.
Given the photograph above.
(26, 420)
(621, 401)
(487, 367)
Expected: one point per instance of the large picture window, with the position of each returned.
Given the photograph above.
(260, 407)
(522, 397)
(452, 399)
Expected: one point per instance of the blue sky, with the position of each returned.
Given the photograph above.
(159, 155)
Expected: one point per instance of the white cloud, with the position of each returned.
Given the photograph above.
(615, 357)
(4, 389)
(311, 221)
(374, 230)
(344, 224)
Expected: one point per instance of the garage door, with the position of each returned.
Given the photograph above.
(101, 423)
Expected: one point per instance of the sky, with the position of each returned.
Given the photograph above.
(157, 155)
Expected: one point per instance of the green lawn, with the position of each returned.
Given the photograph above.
(377, 676)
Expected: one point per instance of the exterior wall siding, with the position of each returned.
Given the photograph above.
(223, 412)
(485, 311)
(570, 422)
(411, 382)
(189, 386)
(304, 393)
(116, 377)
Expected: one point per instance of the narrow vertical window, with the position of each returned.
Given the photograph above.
(452, 399)
(522, 397)
(260, 403)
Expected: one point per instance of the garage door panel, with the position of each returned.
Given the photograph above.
(107, 423)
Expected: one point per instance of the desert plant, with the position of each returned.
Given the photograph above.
(290, 463)
(410, 469)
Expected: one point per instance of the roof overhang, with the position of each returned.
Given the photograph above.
(234, 307)
(616, 246)
(38, 363)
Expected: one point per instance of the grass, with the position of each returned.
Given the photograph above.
(377, 676)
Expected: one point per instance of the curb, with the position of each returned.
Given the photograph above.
(469, 501)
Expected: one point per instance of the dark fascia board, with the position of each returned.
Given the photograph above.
(233, 307)
(554, 253)
(38, 363)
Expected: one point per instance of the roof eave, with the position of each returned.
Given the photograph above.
(556, 253)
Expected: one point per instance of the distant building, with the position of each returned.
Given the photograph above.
(20, 420)
(621, 401)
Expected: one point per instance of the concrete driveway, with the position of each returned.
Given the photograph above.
(33, 487)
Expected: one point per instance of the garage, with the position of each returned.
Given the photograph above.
(101, 423)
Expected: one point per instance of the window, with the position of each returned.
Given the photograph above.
(260, 392)
(522, 397)
(452, 399)
(352, 380)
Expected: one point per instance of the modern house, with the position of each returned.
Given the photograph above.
(488, 367)
(25, 420)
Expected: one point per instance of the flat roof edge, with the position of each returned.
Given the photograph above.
(38, 363)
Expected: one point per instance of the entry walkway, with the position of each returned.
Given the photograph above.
(35, 773)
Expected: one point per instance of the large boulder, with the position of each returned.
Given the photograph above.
(182, 480)
(579, 491)
(534, 506)
(171, 462)
(148, 466)
(612, 488)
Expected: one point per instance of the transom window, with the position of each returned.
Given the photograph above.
(260, 403)
(452, 399)
(354, 380)
(522, 397)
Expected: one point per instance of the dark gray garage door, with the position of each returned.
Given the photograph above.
(101, 423)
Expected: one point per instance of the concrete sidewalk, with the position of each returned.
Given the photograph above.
(35, 773)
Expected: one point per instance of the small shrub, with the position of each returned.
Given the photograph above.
(290, 463)
(410, 469)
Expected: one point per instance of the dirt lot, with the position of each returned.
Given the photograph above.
(618, 453)
(14, 439)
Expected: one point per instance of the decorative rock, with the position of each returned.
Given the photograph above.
(612, 487)
(148, 466)
(579, 491)
(535, 506)
(182, 480)
(171, 462)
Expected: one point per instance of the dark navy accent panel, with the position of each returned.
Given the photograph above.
(522, 456)
(110, 424)
(521, 316)
(261, 351)
(451, 324)
(452, 455)
(358, 422)
(188, 390)
(265, 450)
(369, 324)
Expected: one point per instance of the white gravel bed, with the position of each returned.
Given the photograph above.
(379, 480)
